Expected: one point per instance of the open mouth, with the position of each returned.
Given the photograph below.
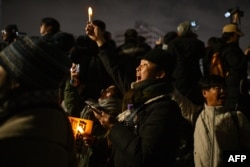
(138, 78)
(222, 97)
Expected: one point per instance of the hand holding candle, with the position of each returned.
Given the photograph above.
(81, 125)
(93, 31)
(90, 28)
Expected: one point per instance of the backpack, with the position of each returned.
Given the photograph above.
(217, 65)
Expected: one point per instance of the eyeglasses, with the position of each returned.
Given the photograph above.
(218, 88)
(108, 90)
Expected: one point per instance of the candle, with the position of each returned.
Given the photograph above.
(81, 125)
(90, 12)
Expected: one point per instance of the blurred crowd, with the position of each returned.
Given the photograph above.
(141, 99)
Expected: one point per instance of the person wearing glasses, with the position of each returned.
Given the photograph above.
(217, 129)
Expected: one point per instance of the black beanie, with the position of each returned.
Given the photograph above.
(163, 59)
(35, 63)
(131, 34)
(11, 28)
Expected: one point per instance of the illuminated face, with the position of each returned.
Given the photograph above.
(44, 29)
(147, 70)
(5, 35)
(111, 91)
(6, 84)
(214, 96)
(236, 37)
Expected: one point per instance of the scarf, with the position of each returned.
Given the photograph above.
(145, 90)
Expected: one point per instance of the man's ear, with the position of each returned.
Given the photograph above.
(161, 74)
(204, 93)
(48, 29)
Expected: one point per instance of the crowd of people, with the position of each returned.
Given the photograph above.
(141, 96)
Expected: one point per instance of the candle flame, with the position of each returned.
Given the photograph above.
(80, 129)
(90, 11)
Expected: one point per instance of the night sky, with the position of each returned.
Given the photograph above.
(120, 15)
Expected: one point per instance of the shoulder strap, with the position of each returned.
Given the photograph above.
(235, 119)
(236, 122)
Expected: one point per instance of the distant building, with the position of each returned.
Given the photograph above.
(149, 32)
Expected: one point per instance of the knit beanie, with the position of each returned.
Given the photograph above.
(35, 63)
(163, 59)
(111, 106)
(131, 34)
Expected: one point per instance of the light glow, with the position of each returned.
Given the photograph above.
(90, 13)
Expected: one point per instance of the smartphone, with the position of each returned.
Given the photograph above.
(92, 107)
(77, 67)
(193, 23)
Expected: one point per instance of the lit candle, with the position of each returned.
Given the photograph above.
(90, 12)
(80, 129)
(81, 125)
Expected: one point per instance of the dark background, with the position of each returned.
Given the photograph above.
(122, 14)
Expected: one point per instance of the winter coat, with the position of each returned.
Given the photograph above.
(35, 131)
(152, 140)
(188, 51)
(215, 132)
(228, 135)
(236, 66)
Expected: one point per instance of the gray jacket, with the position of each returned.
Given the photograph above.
(209, 146)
